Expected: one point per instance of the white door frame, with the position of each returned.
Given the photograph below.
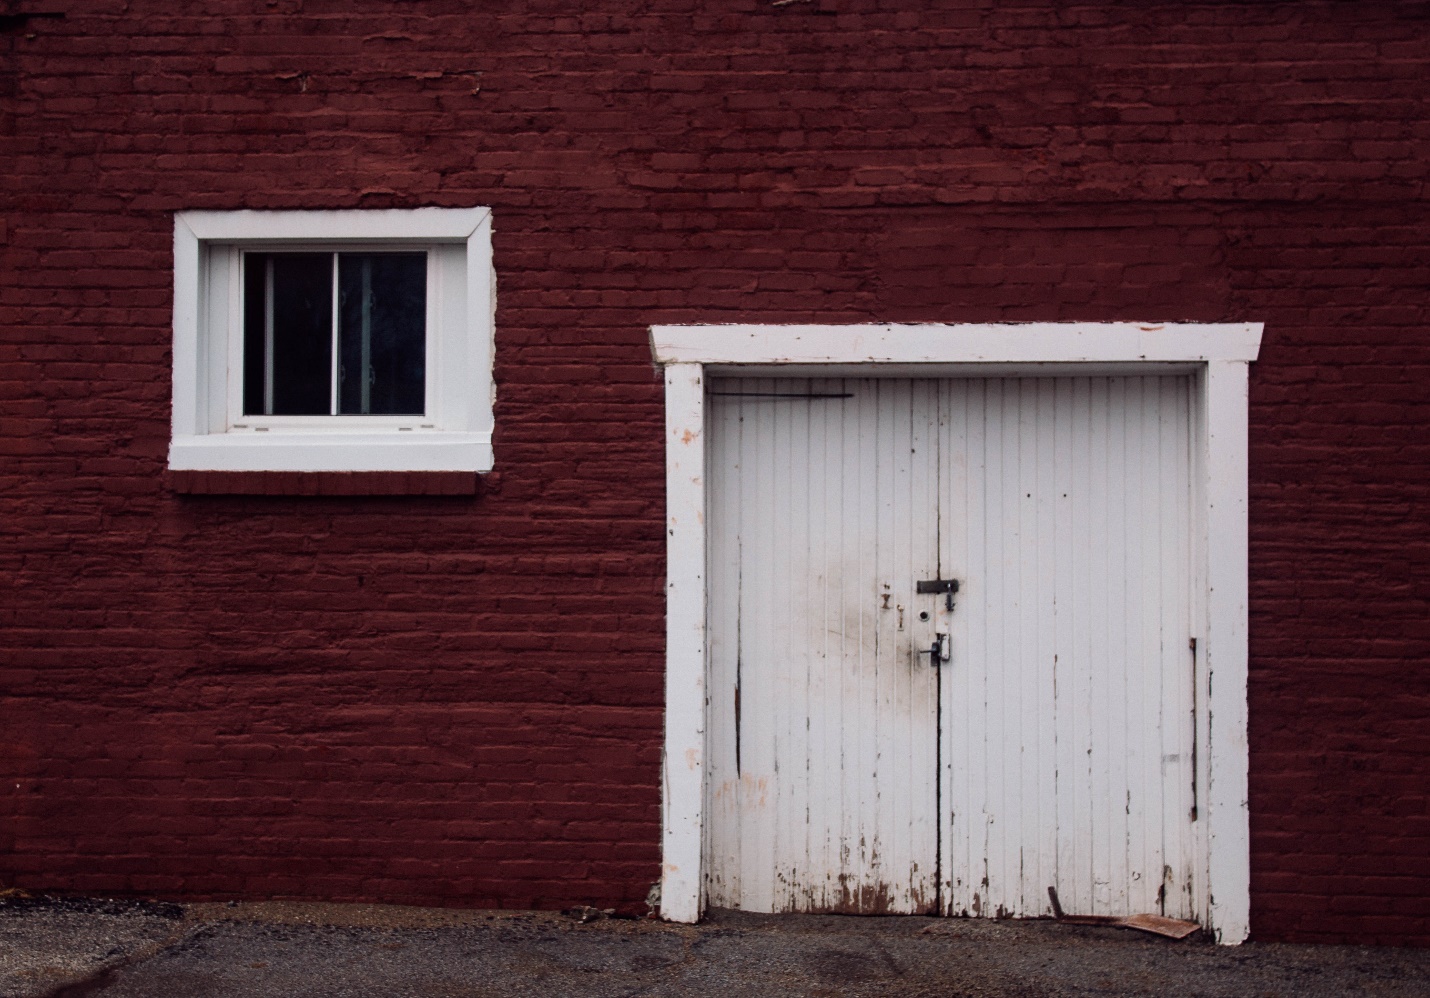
(1216, 354)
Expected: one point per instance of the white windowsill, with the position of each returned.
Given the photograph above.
(288, 451)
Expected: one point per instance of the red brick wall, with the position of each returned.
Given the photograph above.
(457, 698)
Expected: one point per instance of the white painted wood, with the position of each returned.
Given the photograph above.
(190, 362)
(823, 781)
(1228, 815)
(1125, 589)
(332, 452)
(1032, 342)
(376, 224)
(1069, 674)
(1059, 354)
(1200, 497)
(209, 430)
(683, 763)
(474, 384)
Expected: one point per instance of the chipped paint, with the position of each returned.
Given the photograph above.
(817, 693)
(1227, 348)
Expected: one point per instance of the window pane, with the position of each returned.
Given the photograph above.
(287, 334)
(382, 335)
(255, 269)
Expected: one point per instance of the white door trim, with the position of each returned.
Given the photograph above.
(1218, 353)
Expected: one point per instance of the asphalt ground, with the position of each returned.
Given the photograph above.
(65, 948)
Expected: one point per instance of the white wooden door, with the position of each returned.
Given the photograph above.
(1066, 711)
(849, 773)
(823, 725)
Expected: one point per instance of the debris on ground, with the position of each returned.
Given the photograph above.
(585, 913)
(279, 949)
(1172, 928)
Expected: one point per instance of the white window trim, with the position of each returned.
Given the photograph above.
(1217, 355)
(458, 438)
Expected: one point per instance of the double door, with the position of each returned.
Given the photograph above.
(879, 743)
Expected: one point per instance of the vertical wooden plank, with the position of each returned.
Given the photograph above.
(819, 643)
(780, 622)
(1044, 761)
(877, 738)
(896, 668)
(1066, 758)
(959, 419)
(988, 772)
(978, 712)
(1145, 649)
(1177, 661)
(1226, 568)
(1106, 738)
(722, 529)
(835, 641)
(919, 562)
(1200, 622)
(683, 764)
(1020, 712)
(1179, 672)
(1020, 637)
(856, 620)
(762, 668)
(861, 612)
(1128, 650)
(857, 592)
(1012, 740)
(927, 563)
(746, 852)
(1084, 754)
(1185, 814)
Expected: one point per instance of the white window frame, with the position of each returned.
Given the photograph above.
(210, 431)
(1216, 356)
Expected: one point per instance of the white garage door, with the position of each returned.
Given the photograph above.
(859, 762)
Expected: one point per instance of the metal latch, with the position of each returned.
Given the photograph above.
(939, 651)
(946, 586)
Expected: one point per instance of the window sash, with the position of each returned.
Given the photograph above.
(224, 306)
(350, 378)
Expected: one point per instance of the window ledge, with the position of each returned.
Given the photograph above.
(284, 451)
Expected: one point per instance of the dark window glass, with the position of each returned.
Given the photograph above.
(287, 334)
(254, 284)
(382, 333)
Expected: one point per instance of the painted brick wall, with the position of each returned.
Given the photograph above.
(456, 699)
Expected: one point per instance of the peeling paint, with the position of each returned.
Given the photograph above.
(858, 887)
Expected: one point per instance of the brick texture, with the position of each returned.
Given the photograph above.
(456, 698)
(325, 483)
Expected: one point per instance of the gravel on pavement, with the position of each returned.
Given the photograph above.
(117, 949)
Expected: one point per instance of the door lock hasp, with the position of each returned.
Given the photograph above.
(946, 586)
